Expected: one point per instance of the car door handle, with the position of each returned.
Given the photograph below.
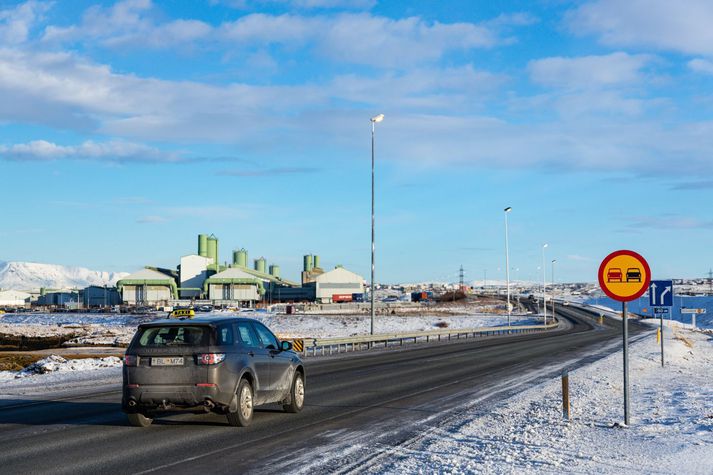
(250, 353)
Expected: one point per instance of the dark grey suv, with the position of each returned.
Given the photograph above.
(225, 365)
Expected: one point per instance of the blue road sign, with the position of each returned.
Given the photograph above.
(661, 293)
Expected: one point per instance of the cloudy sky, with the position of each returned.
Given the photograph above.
(126, 128)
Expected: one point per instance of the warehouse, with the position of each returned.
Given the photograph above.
(335, 283)
(147, 287)
(14, 298)
(234, 284)
(96, 296)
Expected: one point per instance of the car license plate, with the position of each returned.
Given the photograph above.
(167, 361)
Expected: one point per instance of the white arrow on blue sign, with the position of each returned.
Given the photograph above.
(661, 293)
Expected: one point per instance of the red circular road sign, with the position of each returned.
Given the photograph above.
(624, 275)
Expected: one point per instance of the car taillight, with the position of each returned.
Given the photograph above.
(210, 358)
(131, 360)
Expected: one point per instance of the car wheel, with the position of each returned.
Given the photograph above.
(139, 420)
(297, 395)
(244, 415)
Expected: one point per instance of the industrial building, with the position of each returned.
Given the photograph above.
(96, 296)
(148, 287)
(14, 298)
(201, 277)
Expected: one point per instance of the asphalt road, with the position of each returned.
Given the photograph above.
(355, 404)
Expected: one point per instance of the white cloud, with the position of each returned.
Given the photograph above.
(700, 65)
(585, 72)
(129, 23)
(681, 25)
(115, 151)
(361, 38)
(356, 38)
(16, 23)
(299, 4)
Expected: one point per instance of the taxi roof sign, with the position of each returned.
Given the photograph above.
(624, 275)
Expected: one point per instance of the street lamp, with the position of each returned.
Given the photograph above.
(507, 259)
(374, 120)
(553, 287)
(544, 284)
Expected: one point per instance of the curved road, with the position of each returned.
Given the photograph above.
(355, 402)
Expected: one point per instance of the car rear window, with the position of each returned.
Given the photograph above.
(174, 335)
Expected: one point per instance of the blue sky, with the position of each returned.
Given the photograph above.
(126, 128)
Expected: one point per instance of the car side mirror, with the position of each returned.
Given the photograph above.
(286, 345)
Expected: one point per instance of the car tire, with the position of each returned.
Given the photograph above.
(137, 419)
(244, 415)
(297, 395)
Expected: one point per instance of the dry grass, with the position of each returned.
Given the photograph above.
(685, 340)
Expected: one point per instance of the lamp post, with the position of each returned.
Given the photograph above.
(553, 287)
(374, 120)
(507, 260)
(544, 284)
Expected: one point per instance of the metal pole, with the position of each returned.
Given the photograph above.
(507, 261)
(373, 126)
(553, 288)
(661, 315)
(625, 328)
(544, 276)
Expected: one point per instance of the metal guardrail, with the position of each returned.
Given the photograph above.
(328, 346)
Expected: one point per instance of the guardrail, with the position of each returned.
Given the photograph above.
(328, 346)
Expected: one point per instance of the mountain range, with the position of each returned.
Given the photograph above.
(32, 276)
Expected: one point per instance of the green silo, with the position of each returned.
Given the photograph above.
(213, 248)
(242, 257)
(308, 263)
(260, 264)
(236, 257)
(316, 260)
(203, 245)
(275, 270)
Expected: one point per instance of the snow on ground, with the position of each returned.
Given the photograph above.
(55, 372)
(322, 326)
(671, 428)
(119, 329)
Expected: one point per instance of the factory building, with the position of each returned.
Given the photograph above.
(148, 287)
(234, 284)
(96, 296)
(193, 273)
(330, 286)
(14, 298)
(59, 298)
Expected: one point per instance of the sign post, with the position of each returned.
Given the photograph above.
(624, 276)
(693, 312)
(661, 298)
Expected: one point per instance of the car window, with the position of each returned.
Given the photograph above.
(173, 336)
(245, 335)
(267, 339)
(225, 335)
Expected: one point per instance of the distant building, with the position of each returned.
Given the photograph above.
(235, 285)
(96, 296)
(59, 298)
(193, 274)
(14, 298)
(338, 281)
(147, 287)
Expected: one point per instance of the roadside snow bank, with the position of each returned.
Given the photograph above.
(57, 370)
(671, 428)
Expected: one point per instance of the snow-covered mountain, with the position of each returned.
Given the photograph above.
(32, 276)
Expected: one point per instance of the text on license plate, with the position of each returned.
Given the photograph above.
(167, 361)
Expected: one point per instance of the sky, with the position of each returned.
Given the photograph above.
(128, 127)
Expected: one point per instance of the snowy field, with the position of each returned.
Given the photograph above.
(110, 329)
(55, 373)
(671, 429)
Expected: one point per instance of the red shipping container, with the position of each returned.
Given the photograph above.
(341, 298)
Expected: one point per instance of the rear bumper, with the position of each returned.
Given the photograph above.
(167, 397)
